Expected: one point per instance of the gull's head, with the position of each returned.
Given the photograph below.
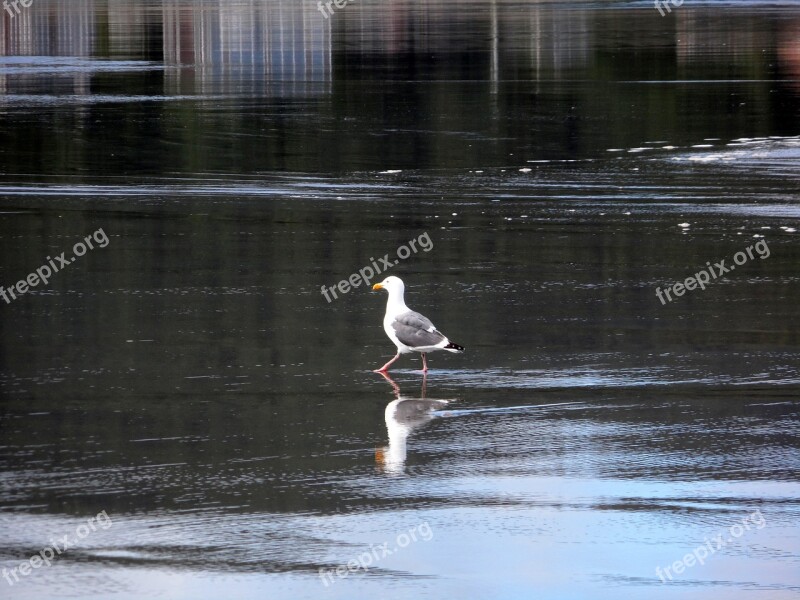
(391, 284)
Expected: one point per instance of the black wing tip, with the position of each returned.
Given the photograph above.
(454, 347)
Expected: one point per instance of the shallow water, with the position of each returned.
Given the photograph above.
(565, 161)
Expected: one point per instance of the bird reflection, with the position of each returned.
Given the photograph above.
(404, 415)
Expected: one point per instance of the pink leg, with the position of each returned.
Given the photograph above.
(395, 387)
(424, 363)
(385, 367)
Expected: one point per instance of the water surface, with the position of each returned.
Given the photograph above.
(566, 161)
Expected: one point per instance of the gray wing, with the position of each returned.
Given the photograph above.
(415, 330)
(415, 412)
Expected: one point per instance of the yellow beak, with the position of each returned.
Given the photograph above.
(377, 286)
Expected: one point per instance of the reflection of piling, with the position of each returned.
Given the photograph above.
(273, 47)
(48, 28)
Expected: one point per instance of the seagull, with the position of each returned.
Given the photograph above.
(409, 330)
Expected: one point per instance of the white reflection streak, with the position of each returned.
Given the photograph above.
(404, 415)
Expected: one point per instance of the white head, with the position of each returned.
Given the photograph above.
(393, 285)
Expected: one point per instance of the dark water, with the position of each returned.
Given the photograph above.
(227, 160)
